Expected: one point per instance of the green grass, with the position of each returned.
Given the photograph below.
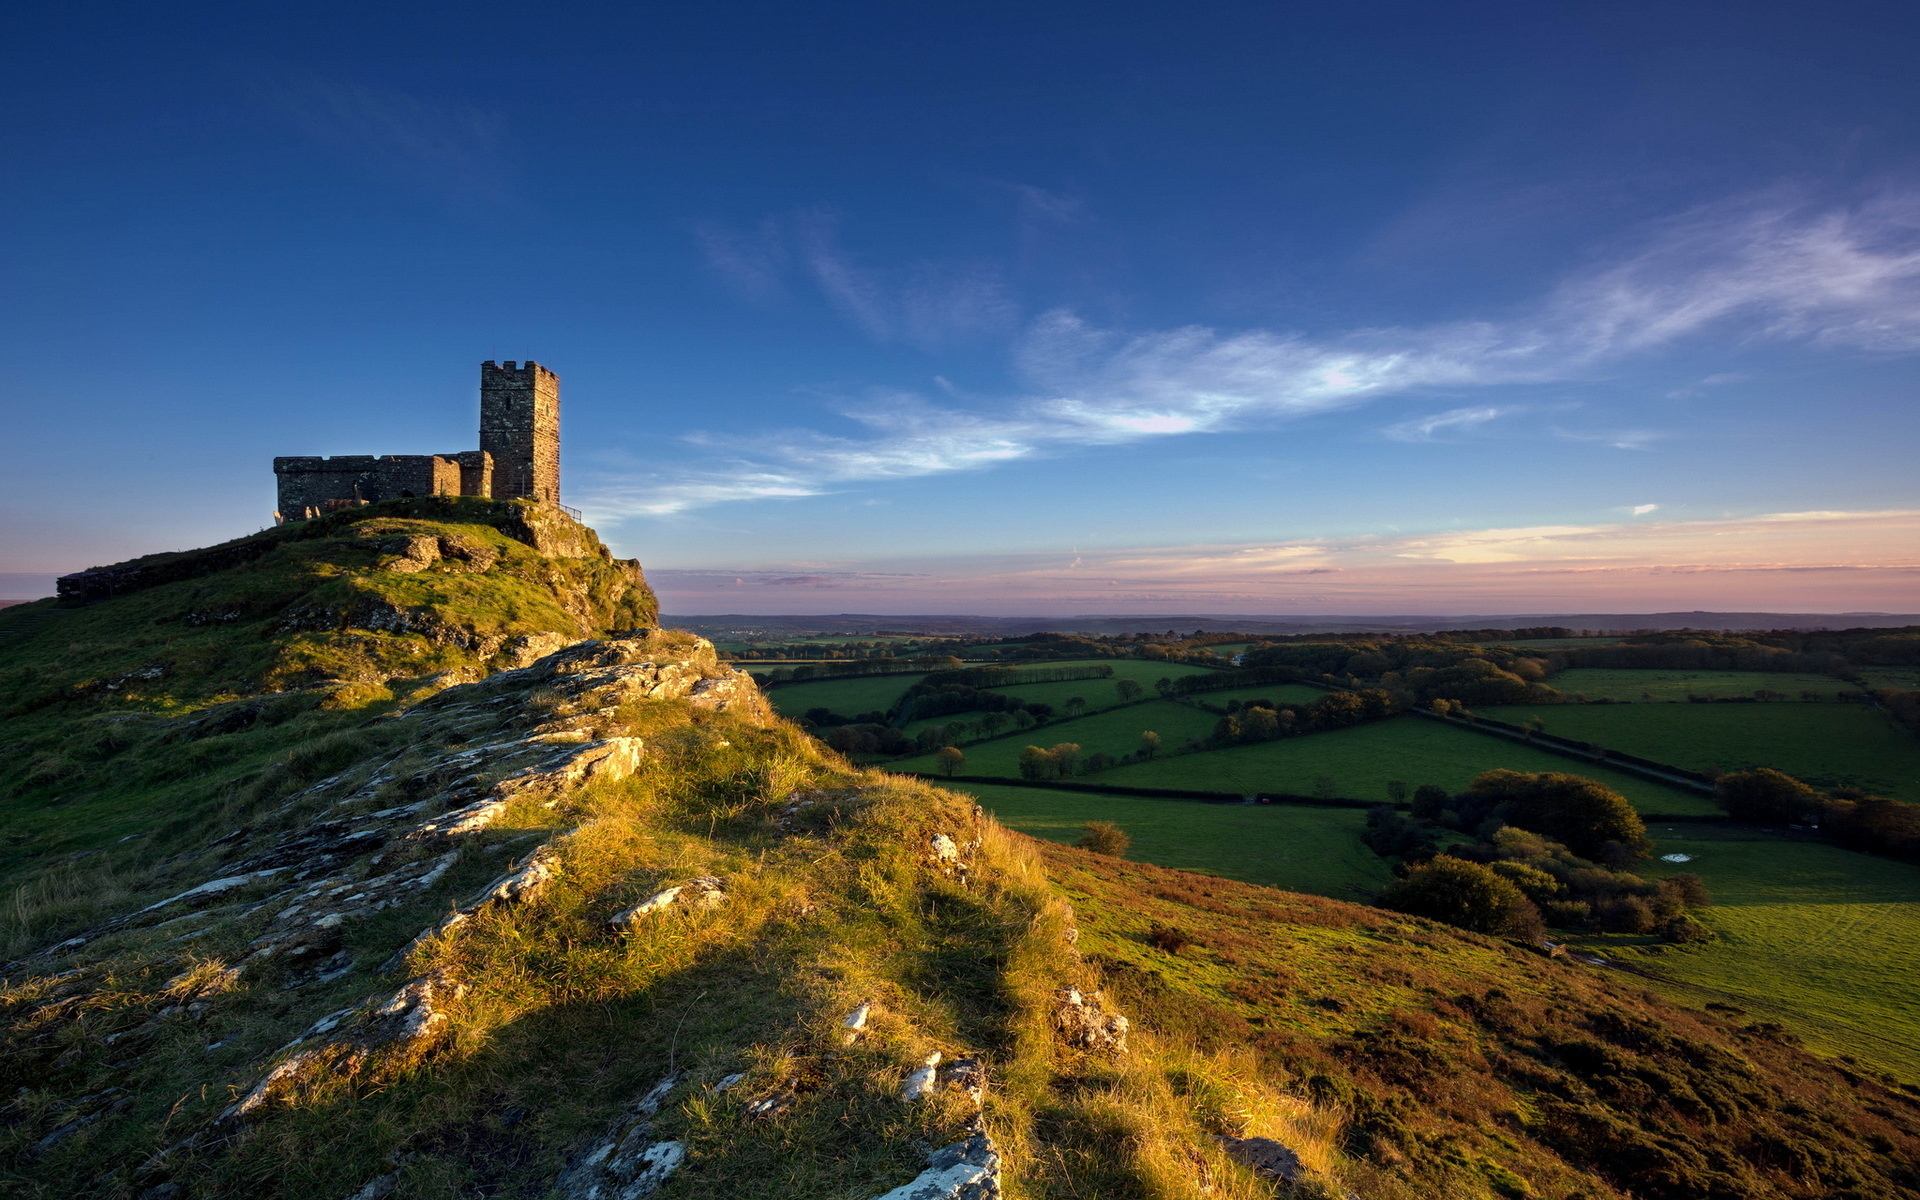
(1609, 683)
(1906, 679)
(1825, 938)
(1825, 744)
(848, 697)
(1116, 732)
(1279, 693)
(1361, 760)
(1296, 847)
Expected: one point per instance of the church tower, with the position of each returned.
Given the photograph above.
(520, 428)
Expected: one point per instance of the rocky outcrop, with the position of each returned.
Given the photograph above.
(397, 1031)
(1084, 1022)
(704, 892)
(968, 1170)
(628, 1162)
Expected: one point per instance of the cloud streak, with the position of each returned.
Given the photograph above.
(1770, 268)
(1811, 561)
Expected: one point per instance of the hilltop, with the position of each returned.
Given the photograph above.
(402, 853)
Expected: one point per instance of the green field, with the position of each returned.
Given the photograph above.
(1279, 693)
(1116, 732)
(1823, 937)
(848, 697)
(1825, 744)
(1290, 846)
(1361, 760)
(1905, 679)
(1609, 683)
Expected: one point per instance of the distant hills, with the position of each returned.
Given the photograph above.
(740, 624)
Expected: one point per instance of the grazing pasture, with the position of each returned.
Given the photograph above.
(1116, 732)
(1292, 846)
(1361, 760)
(1279, 693)
(1905, 679)
(1636, 685)
(1827, 745)
(848, 697)
(1825, 939)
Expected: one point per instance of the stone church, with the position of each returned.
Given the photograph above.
(518, 458)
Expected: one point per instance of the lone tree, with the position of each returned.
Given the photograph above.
(1129, 690)
(1465, 894)
(951, 760)
(1104, 837)
(1149, 743)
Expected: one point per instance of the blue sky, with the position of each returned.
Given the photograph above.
(1001, 308)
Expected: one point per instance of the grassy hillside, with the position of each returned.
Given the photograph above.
(1296, 847)
(1363, 759)
(1465, 1066)
(333, 908)
(1825, 744)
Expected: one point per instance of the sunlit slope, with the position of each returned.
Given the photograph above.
(336, 910)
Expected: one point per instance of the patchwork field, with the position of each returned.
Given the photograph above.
(1116, 732)
(1279, 693)
(847, 697)
(1361, 760)
(1638, 686)
(1825, 744)
(1822, 937)
(1297, 847)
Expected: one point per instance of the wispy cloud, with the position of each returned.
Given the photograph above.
(1427, 429)
(442, 143)
(927, 304)
(1774, 268)
(1810, 561)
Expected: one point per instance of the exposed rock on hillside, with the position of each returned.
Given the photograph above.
(532, 899)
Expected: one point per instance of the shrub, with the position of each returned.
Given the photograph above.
(1169, 939)
(1684, 929)
(1626, 914)
(1465, 894)
(1104, 837)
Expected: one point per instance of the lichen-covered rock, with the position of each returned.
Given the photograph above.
(968, 1170)
(386, 1035)
(628, 1163)
(919, 1083)
(1084, 1022)
(704, 892)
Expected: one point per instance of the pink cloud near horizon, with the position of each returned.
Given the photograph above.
(1784, 562)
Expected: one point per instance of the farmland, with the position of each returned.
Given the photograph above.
(1361, 760)
(1296, 847)
(1823, 936)
(847, 697)
(851, 697)
(1827, 745)
(1279, 693)
(1631, 685)
(1115, 732)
